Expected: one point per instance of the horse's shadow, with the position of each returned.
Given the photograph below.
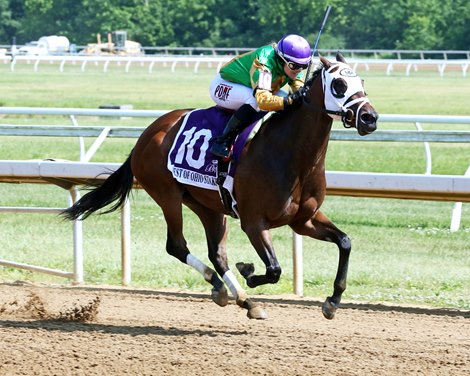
(53, 325)
(380, 307)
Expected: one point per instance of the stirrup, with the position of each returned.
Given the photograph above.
(225, 154)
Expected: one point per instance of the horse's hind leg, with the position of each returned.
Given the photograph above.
(176, 244)
(321, 228)
(215, 228)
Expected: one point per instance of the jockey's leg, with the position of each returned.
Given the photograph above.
(222, 145)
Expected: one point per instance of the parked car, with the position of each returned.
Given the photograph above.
(33, 48)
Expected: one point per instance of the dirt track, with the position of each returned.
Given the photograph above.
(143, 332)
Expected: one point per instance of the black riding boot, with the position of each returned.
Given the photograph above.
(222, 146)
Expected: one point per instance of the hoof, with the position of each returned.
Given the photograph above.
(245, 269)
(328, 309)
(220, 297)
(257, 313)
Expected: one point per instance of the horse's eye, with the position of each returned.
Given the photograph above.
(338, 87)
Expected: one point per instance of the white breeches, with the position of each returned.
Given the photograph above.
(230, 95)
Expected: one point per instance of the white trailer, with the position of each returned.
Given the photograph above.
(47, 45)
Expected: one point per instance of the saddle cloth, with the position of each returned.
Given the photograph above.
(190, 160)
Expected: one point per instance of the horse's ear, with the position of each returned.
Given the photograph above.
(340, 58)
(326, 64)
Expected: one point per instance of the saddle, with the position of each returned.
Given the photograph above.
(191, 161)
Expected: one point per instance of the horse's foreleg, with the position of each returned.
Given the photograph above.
(255, 311)
(321, 228)
(261, 241)
(215, 226)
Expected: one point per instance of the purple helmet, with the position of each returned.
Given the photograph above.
(294, 48)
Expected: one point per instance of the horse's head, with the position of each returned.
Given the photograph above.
(345, 98)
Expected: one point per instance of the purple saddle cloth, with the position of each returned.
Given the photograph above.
(190, 160)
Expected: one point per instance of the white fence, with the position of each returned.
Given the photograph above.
(376, 53)
(67, 174)
(148, 61)
(217, 51)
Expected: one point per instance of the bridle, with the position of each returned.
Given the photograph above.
(338, 104)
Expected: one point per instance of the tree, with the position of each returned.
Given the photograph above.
(9, 26)
(353, 24)
(420, 34)
(422, 19)
(48, 17)
(192, 21)
(453, 25)
(151, 25)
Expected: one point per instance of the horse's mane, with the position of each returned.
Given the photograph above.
(314, 75)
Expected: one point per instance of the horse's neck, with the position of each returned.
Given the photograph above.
(308, 138)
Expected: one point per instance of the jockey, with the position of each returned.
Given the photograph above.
(249, 83)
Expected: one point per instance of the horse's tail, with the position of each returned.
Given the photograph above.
(116, 188)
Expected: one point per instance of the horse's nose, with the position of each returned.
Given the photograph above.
(369, 121)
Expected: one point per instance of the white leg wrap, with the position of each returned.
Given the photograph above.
(198, 265)
(232, 283)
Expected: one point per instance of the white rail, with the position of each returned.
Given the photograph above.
(376, 53)
(359, 184)
(341, 183)
(215, 51)
(149, 61)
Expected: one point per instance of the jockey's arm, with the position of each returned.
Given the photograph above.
(261, 81)
(296, 84)
(265, 99)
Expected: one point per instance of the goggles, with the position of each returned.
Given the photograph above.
(293, 66)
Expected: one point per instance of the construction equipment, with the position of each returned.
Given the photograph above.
(117, 44)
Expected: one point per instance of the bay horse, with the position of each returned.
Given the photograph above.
(280, 180)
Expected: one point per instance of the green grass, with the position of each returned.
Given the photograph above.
(402, 250)
(423, 92)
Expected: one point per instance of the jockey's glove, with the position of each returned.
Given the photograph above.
(296, 98)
